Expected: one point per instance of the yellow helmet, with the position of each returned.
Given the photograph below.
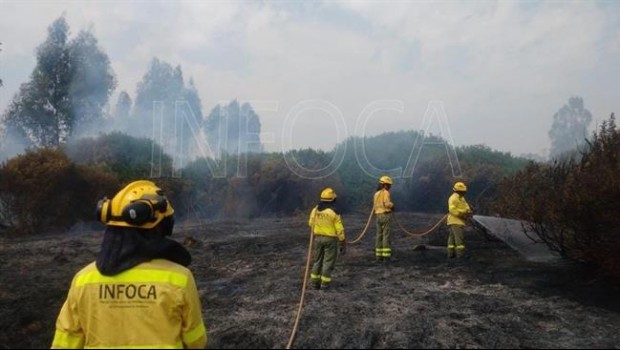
(328, 195)
(385, 180)
(459, 187)
(140, 204)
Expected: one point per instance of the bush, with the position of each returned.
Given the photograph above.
(268, 186)
(42, 190)
(573, 203)
(127, 157)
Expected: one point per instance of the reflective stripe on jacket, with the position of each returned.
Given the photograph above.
(326, 223)
(382, 202)
(457, 210)
(153, 305)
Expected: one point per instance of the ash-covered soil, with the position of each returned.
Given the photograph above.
(250, 275)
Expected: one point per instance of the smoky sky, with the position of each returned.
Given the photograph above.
(501, 69)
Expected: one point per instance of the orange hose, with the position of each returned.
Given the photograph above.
(359, 238)
(413, 234)
(303, 291)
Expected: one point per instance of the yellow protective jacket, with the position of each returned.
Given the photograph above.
(326, 222)
(457, 210)
(152, 305)
(382, 202)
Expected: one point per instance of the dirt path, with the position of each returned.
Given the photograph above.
(249, 276)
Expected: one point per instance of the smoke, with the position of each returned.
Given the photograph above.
(233, 129)
(11, 144)
(569, 129)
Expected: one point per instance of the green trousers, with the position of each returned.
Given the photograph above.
(456, 241)
(325, 252)
(383, 250)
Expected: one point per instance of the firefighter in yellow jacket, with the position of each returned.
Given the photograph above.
(139, 292)
(383, 207)
(458, 213)
(329, 237)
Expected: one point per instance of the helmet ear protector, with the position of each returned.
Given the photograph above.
(104, 210)
(146, 209)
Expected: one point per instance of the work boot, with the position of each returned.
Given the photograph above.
(325, 286)
(316, 284)
(378, 258)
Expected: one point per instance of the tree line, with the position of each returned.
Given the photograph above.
(82, 171)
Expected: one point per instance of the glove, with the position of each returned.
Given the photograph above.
(342, 247)
(467, 215)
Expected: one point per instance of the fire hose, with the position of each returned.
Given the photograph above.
(303, 291)
(407, 233)
(413, 234)
(361, 235)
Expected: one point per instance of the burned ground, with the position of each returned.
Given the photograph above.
(249, 277)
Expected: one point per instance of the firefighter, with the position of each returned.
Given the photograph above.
(458, 213)
(139, 292)
(383, 207)
(329, 238)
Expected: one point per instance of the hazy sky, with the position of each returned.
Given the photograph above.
(501, 69)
